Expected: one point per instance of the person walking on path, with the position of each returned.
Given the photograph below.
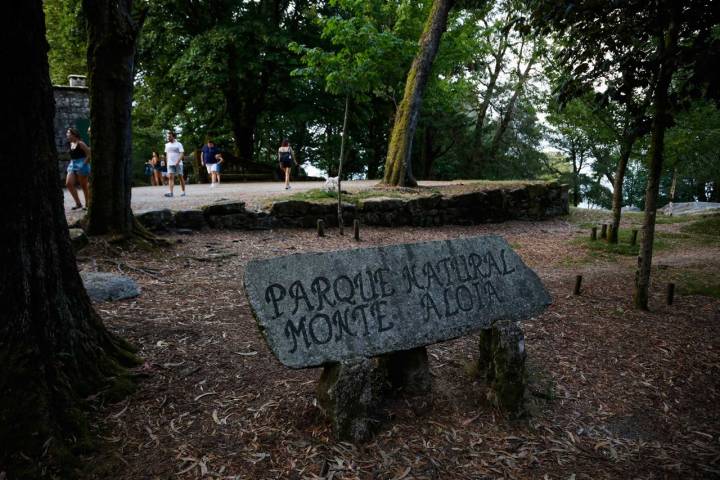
(286, 158)
(209, 157)
(78, 170)
(174, 155)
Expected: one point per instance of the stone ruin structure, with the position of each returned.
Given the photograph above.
(72, 109)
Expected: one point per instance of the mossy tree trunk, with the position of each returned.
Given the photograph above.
(112, 37)
(54, 349)
(398, 167)
(667, 45)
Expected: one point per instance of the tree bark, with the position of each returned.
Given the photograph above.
(617, 199)
(54, 349)
(666, 49)
(398, 168)
(112, 36)
(477, 151)
(341, 224)
(510, 110)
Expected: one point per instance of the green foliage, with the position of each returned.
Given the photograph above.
(65, 30)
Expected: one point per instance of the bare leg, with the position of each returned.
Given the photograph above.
(85, 188)
(158, 178)
(171, 181)
(287, 177)
(182, 182)
(70, 184)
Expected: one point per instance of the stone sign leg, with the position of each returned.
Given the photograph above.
(502, 361)
(408, 371)
(351, 394)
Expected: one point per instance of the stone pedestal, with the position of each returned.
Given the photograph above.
(502, 362)
(408, 371)
(351, 394)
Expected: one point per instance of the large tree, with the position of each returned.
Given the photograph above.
(398, 169)
(113, 30)
(54, 349)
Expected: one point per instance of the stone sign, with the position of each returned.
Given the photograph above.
(320, 308)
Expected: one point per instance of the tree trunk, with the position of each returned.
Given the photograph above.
(477, 151)
(576, 179)
(617, 198)
(510, 110)
(666, 48)
(340, 165)
(112, 35)
(54, 349)
(398, 168)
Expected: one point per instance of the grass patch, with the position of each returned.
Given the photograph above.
(588, 217)
(623, 247)
(701, 280)
(707, 225)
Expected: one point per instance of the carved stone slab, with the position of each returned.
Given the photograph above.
(318, 308)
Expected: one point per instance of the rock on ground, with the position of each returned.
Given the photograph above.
(104, 287)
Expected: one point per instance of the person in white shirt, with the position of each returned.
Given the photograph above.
(174, 156)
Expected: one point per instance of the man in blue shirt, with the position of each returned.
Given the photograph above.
(211, 158)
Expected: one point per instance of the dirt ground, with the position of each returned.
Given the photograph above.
(615, 393)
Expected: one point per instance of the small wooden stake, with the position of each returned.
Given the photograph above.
(603, 231)
(356, 228)
(321, 227)
(633, 239)
(593, 234)
(670, 293)
(578, 283)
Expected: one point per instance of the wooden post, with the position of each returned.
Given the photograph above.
(670, 293)
(609, 232)
(356, 228)
(321, 227)
(578, 283)
(603, 231)
(633, 239)
(593, 234)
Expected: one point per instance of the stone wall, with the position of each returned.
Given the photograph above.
(72, 109)
(531, 202)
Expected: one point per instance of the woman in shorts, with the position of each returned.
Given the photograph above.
(286, 158)
(157, 169)
(78, 169)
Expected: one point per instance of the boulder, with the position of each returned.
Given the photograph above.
(78, 238)
(106, 287)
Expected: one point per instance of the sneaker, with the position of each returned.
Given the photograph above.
(168, 194)
(182, 194)
(76, 207)
(287, 187)
(212, 185)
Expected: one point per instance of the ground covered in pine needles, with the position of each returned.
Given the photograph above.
(615, 393)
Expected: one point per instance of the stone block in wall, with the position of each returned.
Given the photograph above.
(224, 208)
(193, 219)
(155, 219)
(241, 221)
(290, 208)
(382, 204)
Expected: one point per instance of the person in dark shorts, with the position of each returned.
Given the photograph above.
(157, 169)
(286, 158)
(78, 169)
